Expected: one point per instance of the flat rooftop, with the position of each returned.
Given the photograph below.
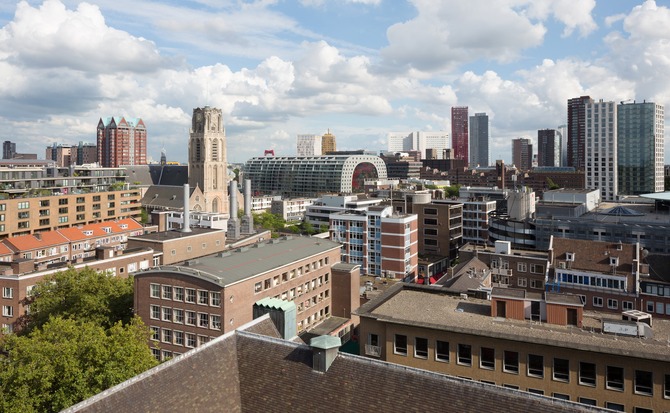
(515, 252)
(430, 307)
(175, 234)
(232, 266)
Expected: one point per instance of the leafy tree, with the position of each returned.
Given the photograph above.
(551, 184)
(266, 220)
(67, 361)
(144, 216)
(84, 295)
(452, 191)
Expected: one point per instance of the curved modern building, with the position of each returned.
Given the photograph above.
(310, 176)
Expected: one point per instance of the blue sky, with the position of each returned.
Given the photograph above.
(361, 68)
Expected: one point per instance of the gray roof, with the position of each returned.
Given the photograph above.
(468, 276)
(173, 175)
(230, 267)
(246, 372)
(162, 236)
(167, 197)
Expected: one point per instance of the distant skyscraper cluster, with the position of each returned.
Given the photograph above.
(424, 142)
(68, 155)
(315, 145)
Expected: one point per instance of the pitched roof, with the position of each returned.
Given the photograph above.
(5, 250)
(246, 372)
(35, 241)
(172, 175)
(595, 256)
(169, 197)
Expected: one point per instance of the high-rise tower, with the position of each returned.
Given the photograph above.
(548, 147)
(328, 143)
(207, 158)
(640, 147)
(459, 132)
(522, 154)
(577, 131)
(122, 141)
(479, 140)
(601, 149)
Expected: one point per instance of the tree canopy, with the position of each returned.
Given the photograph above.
(79, 339)
(84, 295)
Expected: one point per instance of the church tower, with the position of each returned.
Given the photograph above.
(207, 158)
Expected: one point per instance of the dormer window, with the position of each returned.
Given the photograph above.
(569, 256)
(124, 226)
(87, 232)
(614, 261)
(107, 229)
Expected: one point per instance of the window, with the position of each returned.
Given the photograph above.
(587, 374)
(465, 354)
(442, 353)
(203, 320)
(535, 365)
(614, 379)
(179, 338)
(644, 383)
(190, 340)
(203, 297)
(487, 358)
(627, 305)
(216, 321)
(536, 391)
(400, 344)
(8, 311)
(588, 402)
(190, 295)
(521, 266)
(167, 336)
(421, 347)
(561, 370)
(612, 304)
(156, 353)
(167, 292)
(178, 293)
(190, 318)
(642, 410)
(178, 315)
(537, 268)
(155, 333)
(258, 288)
(560, 396)
(511, 362)
(167, 314)
(538, 284)
(597, 301)
(215, 299)
(7, 292)
(615, 406)
(666, 386)
(155, 312)
(522, 282)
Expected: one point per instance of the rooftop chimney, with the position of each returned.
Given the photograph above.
(324, 352)
(186, 227)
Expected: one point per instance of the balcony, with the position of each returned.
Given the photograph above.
(374, 351)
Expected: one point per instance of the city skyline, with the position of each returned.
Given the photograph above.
(282, 69)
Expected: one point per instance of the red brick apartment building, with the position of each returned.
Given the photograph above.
(188, 304)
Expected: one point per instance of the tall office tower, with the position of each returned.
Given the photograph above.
(207, 158)
(459, 132)
(548, 147)
(522, 154)
(308, 145)
(122, 141)
(640, 147)
(562, 131)
(86, 153)
(8, 150)
(328, 143)
(576, 131)
(601, 149)
(479, 140)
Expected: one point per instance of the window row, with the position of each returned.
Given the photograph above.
(187, 317)
(534, 364)
(188, 295)
(293, 292)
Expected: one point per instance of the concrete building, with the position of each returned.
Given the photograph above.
(427, 328)
(440, 228)
(291, 210)
(308, 145)
(459, 132)
(175, 246)
(328, 143)
(255, 369)
(479, 140)
(121, 141)
(640, 148)
(319, 212)
(576, 132)
(522, 154)
(382, 242)
(63, 155)
(548, 148)
(207, 167)
(313, 176)
(601, 149)
(401, 166)
(422, 141)
(187, 305)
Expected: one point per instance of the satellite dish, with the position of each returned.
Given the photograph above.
(645, 253)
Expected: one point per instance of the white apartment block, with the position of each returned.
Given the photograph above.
(309, 145)
(601, 149)
(291, 210)
(417, 141)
